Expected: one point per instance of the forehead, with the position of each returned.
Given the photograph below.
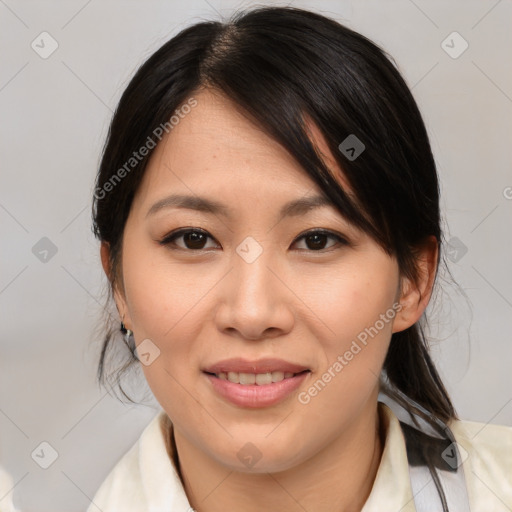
(217, 144)
(216, 129)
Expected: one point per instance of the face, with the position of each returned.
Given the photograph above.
(245, 293)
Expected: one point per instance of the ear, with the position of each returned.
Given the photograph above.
(105, 259)
(118, 293)
(415, 295)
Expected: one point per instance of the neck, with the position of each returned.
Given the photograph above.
(340, 477)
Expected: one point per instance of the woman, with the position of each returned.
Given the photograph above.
(268, 210)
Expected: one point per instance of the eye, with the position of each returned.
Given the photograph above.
(315, 240)
(195, 239)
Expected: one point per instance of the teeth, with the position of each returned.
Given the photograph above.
(247, 378)
(277, 376)
(261, 379)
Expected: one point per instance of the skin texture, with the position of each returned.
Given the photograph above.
(297, 301)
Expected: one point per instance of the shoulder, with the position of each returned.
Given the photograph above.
(129, 485)
(6, 491)
(486, 453)
(122, 486)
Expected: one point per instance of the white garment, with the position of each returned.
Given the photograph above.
(145, 479)
(6, 491)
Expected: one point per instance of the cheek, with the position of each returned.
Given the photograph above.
(166, 301)
(356, 299)
(161, 294)
(359, 313)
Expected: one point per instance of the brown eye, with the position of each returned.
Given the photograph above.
(317, 240)
(196, 240)
(193, 239)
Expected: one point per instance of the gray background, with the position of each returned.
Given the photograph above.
(55, 114)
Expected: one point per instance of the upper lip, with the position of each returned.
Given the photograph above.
(240, 365)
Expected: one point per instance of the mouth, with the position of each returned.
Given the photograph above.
(255, 384)
(258, 379)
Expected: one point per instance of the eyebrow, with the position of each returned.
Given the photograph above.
(293, 208)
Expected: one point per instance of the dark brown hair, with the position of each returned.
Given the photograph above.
(282, 66)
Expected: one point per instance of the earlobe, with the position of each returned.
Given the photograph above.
(415, 294)
(409, 311)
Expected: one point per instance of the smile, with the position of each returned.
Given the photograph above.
(255, 390)
(260, 379)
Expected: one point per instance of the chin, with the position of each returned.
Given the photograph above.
(260, 456)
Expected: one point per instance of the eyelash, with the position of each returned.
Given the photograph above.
(169, 239)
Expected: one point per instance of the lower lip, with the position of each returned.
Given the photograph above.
(254, 396)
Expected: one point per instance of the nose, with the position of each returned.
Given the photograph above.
(255, 301)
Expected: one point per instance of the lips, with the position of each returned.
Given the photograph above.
(255, 384)
(239, 365)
